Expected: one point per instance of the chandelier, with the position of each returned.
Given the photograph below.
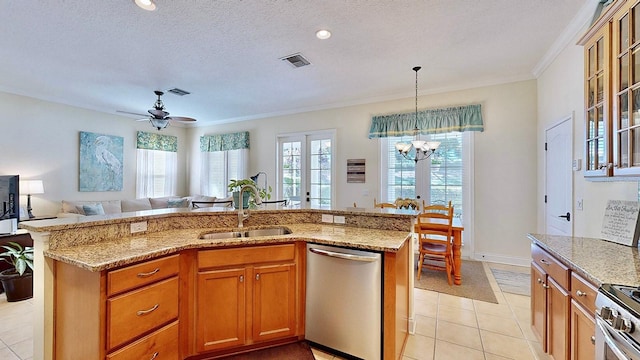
(422, 149)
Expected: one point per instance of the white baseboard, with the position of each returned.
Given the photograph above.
(509, 260)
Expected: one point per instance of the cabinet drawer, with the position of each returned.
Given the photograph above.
(551, 266)
(584, 293)
(248, 255)
(134, 313)
(163, 342)
(138, 275)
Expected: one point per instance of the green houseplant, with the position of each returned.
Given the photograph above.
(247, 200)
(17, 280)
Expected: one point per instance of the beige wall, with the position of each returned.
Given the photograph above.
(560, 94)
(40, 140)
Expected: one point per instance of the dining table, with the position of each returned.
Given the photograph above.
(457, 229)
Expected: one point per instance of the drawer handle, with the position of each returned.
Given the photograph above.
(155, 355)
(147, 274)
(145, 312)
(580, 293)
(545, 262)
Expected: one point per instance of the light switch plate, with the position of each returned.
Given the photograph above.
(327, 218)
(338, 219)
(137, 227)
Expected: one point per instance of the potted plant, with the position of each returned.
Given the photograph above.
(17, 280)
(247, 200)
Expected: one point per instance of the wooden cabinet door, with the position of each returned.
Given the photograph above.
(274, 298)
(558, 310)
(220, 310)
(539, 304)
(582, 333)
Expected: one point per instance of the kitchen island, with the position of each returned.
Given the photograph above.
(77, 260)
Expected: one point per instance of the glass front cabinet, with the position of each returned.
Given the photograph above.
(612, 92)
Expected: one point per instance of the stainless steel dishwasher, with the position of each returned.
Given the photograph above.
(344, 300)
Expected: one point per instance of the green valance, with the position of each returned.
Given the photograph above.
(224, 142)
(153, 141)
(430, 121)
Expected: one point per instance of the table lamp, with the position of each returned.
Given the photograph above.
(31, 187)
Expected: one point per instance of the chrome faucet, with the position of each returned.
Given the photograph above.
(244, 213)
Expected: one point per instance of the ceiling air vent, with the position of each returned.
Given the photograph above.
(178, 92)
(296, 60)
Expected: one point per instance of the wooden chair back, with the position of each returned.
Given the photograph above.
(434, 227)
(383, 205)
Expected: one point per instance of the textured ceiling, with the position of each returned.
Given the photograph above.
(110, 55)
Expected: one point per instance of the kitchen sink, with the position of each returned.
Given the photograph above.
(246, 233)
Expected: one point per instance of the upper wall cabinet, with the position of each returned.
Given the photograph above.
(612, 92)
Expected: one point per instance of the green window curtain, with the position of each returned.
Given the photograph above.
(430, 121)
(224, 142)
(152, 141)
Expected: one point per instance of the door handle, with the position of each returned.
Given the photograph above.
(568, 216)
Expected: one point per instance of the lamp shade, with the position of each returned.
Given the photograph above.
(31, 187)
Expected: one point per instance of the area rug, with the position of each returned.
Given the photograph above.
(296, 351)
(475, 284)
(513, 282)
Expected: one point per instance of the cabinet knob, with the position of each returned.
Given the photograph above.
(593, 340)
(257, 276)
(581, 293)
(241, 278)
(539, 281)
(545, 286)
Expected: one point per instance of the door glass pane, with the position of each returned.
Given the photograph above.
(636, 106)
(624, 110)
(320, 173)
(591, 124)
(623, 149)
(635, 146)
(624, 34)
(601, 158)
(291, 171)
(635, 71)
(592, 61)
(624, 72)
(636, 23)
(600, 88)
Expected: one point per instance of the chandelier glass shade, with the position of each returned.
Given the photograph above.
(417, 149)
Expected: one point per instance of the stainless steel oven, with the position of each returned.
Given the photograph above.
(617, 334)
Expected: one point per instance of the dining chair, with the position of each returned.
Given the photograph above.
(434, 227)
(383, 205)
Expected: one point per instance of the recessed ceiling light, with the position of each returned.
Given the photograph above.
(323, 34)
(145, 4)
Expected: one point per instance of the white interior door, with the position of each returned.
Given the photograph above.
(559, 179)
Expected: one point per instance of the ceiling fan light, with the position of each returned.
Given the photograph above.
(148, 5)
(159, 123)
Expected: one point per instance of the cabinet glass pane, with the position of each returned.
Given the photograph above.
(592, 61)
(636, 106)
(600, 118)
(600, 86)
(592, 92)
(624, 72)
(600, 54)
(624, 34)
(591, 124)
(623, 101)
(636, 23)
(601, 158)
(635, 146)
(624, 149)
(635, 71)
(591, 162)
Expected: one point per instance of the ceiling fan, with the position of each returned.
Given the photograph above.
(158, 117)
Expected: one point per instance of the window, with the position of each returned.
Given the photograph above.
(157, 163)
(219, 167)
(439, 179)
(305, 166)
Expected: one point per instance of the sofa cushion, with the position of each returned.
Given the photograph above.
(136, 205)
(203, 198)
(178, 203)
(228, 204)
(75, 207)
(93, 209)
(163, 202)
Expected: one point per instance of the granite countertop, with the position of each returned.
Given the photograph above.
(113, 253)
(600, 261)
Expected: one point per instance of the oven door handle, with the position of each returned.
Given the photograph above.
(611, 342)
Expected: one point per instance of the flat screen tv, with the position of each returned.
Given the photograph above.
(10, 197)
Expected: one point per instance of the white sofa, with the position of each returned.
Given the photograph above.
(84, 208)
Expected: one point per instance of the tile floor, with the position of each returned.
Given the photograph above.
(448, 327)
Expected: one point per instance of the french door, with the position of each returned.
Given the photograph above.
(305, 169)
